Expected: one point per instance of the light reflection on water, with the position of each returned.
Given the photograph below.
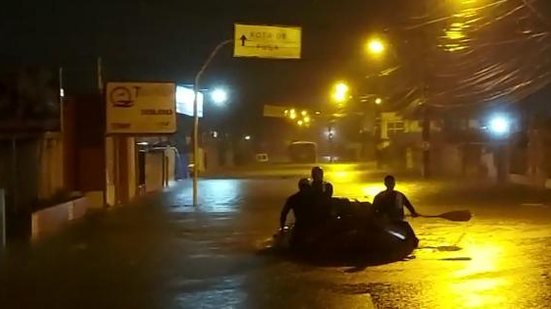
(486, 281)
(478, 285)
(226, 290)
(215, 195)
(476, 271)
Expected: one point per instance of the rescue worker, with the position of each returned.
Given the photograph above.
(389, 205)
(319, 186)
(301, 203)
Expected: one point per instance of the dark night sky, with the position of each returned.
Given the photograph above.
(168, 39)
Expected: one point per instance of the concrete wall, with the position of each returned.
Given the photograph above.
(170, 165)
(154, 170)
(47, 221)
(160, 167)
(120, 170)
(450, 160)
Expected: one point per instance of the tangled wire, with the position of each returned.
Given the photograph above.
(465, 53)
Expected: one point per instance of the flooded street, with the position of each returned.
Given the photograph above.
(163, 253)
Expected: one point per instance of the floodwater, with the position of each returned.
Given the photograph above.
(164, 253)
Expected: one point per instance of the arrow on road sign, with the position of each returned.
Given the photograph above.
(243, 38)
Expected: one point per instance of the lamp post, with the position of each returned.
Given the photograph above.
(196, 117)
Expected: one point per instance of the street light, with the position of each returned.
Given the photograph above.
(378, 101)
(219, 96)
(340, 92)
(500, 125)
(375, 47)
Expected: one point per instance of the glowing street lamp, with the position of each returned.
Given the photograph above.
(375, 47)
(340, 93)
(500, 126)
(378, 101)
(219, 96)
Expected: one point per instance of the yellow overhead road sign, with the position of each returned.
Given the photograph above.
(267, 42)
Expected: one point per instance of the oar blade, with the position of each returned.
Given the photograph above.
(457, 216)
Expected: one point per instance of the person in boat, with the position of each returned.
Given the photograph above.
(322, 193)
(301, 203)
(390, 203)
(319, 186)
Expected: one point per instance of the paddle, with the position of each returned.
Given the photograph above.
(457, 216)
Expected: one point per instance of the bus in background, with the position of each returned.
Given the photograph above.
(303, 152)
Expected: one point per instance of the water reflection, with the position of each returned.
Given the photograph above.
(225, 290)
(478, 285)
(479, 281)
(215, 195)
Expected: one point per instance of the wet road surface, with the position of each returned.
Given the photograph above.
(163, 253)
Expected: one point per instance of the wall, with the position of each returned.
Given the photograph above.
(120, 170)
(154, 171)
(160, 167)
(84, 147)
(51, 176)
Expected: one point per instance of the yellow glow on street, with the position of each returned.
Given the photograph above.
(455, 35)
(307, 119)
(477, 284)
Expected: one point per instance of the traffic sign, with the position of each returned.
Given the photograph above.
(267, 41)
(141, 108)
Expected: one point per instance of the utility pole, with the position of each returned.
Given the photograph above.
(99, 68)
(114, 139)
(426, 143)
(426, 119)
(330, 139)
